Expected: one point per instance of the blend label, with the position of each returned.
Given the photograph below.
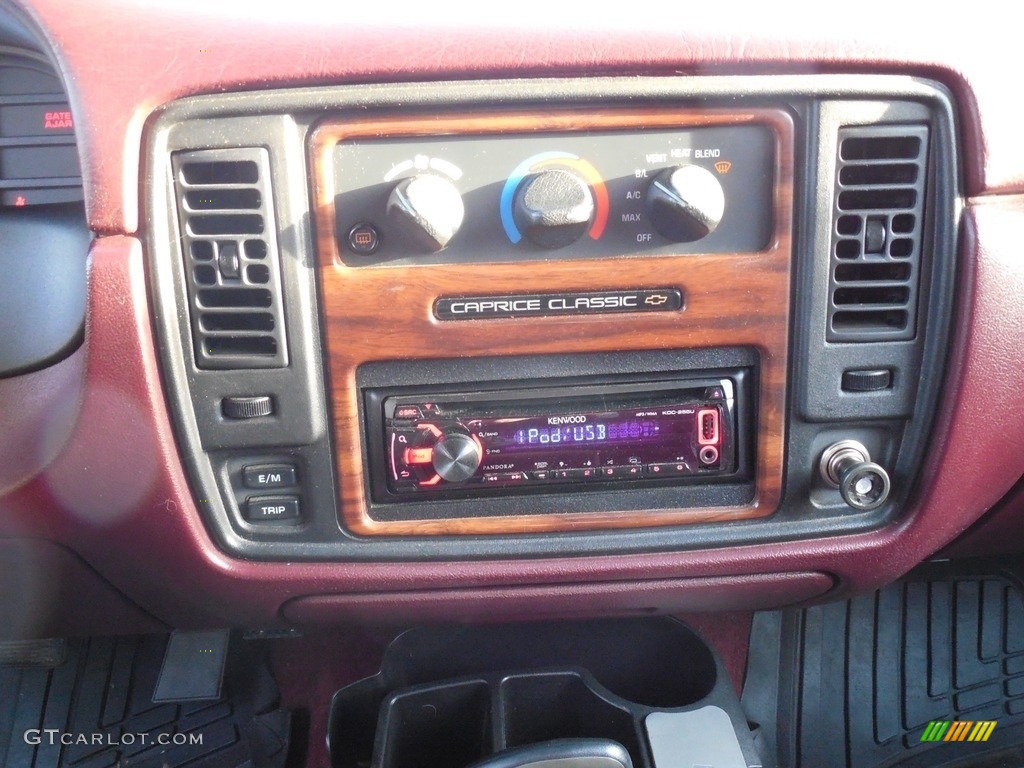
(548, 304)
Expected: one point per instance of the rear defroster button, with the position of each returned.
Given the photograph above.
(363, 238)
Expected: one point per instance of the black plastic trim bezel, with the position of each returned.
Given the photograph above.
(282, 119)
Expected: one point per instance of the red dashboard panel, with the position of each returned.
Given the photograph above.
(184, 48)
(117, 494)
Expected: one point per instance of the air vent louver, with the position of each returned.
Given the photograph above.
(230, 258)
(877, 222)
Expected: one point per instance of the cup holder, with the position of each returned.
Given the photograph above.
(436, 726)
(448, 697)
(560, 705)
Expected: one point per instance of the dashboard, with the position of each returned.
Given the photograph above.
(449, 319)
(700, 205)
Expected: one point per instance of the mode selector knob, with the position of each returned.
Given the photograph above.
(427, 209)
(553, 208)
(685, 203)
(456, 456)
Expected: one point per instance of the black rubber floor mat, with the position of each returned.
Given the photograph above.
(95, 710)
(858, 683)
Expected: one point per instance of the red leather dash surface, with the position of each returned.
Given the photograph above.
(121, 59)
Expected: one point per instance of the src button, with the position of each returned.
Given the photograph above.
(408, 412)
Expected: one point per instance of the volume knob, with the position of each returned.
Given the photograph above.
(428, 209)
(456, 456)
(685, 203)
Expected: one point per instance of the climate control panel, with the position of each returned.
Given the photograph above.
(505, 197)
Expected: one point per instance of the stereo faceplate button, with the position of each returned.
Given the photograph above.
(624, 470)
(669, 469)
(408, 412)
(578, 473)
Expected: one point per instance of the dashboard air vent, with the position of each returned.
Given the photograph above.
(878, 208)
(38, 156)
(229, 250)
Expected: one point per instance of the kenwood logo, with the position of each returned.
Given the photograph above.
(578, 419)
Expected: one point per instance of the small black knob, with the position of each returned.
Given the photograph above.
(685, 203)
(247, 407)
(456, 456)
(868, 380)
(427, 209)
(553, 208)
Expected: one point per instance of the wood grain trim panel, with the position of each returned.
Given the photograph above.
(385, 313)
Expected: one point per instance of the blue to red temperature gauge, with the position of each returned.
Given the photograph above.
(548, 161)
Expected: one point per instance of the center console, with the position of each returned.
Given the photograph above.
(552, 317)
(650, 691)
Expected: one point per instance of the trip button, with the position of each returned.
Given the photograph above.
(269, 476)
(266, 508)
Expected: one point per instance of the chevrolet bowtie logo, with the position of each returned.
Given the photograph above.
(656, 299)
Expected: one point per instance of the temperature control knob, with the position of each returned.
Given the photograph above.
(428, 209)
(553, 208)
(685, 203)
(456, 456)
